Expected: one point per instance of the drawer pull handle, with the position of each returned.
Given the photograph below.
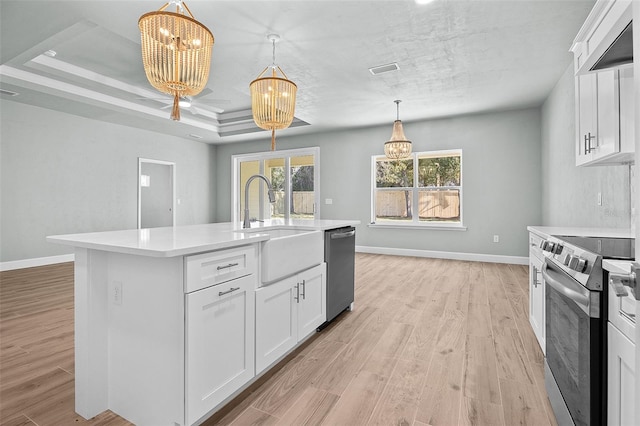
(304, 289)
(231, 265)
(231, 290)
(587, 144)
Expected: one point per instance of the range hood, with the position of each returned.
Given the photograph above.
(619, 53)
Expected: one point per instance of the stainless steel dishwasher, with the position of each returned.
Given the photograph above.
(339, 254)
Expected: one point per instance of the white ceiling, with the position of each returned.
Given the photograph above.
(455, 57)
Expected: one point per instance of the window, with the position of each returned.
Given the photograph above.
(424, 189)
(294, 175)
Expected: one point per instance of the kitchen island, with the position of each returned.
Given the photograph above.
(165, 317)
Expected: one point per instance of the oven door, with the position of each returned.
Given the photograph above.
(575, 346)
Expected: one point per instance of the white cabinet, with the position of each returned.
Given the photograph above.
(207, 269)
(536, 289)
(287, 311)
(605, 23)
(604, 114)
(604, 98)
(219, 326)
(219, 343)
(621, 400)
(621, 355)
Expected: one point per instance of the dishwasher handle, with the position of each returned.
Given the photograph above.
(343, 235)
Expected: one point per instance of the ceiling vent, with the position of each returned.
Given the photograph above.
(380, 69)
(8, 92)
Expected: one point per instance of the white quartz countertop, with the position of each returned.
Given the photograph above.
(184, 240)
(546, 231)
(617, 266)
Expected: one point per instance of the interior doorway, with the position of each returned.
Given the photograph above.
(156, 193)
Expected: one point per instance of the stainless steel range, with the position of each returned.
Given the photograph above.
(576, 315)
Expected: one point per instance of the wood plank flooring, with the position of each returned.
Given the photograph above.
(431, 342)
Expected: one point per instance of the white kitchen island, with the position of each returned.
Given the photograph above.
(165, 317)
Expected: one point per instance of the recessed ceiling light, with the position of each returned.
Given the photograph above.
(51, 53)
(384, 68)
(423, 1)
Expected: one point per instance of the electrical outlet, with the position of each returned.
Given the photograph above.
(599, 198)
(328, 201)
(496, 238)
(117, 293)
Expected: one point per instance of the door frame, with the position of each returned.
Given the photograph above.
(172, 166)
(636, 183)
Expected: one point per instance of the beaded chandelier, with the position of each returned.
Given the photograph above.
(273, 98)
(176, 52)
(398, 146)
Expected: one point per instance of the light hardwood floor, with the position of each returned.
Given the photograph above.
(431, 342)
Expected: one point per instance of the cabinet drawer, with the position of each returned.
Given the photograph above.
(535, 252)
(207, 269)
(622, 313)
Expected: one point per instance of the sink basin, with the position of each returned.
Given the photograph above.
(289, 251)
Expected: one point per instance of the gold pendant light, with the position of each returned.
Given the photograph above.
(398, 146)
(273, 98)
(176, 52)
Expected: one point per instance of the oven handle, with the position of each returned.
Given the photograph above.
(576, 294)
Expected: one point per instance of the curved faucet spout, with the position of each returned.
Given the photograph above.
(272, 197)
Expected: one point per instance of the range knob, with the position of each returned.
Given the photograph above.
(548, 246)
(558, 249)
(577, 264)
(566, 259)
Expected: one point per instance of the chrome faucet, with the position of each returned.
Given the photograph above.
(272, 198)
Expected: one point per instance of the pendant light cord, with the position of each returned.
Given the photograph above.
(397, 110)
(273, 42)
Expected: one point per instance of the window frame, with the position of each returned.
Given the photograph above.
(415, 221)
(236, 214)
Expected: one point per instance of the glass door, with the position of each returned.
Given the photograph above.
(302, 204)
(294, 177)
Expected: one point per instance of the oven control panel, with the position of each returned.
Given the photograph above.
(584, 266)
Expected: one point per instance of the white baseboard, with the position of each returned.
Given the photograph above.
(39, 261)
(474, 257)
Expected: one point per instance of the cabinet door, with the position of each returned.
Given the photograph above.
(313, 292)
(586, 117)
(608, 101)
(621, 399)
(536, 301)
(219, 343)
(276, 321)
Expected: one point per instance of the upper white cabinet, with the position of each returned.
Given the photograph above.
(607, 20)
(287, 311)
(604, 117)
(604, 98)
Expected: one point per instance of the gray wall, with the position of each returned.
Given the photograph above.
(569, 193)
(65, 174)
(501, 178)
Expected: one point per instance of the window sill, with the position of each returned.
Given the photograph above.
(430, 226)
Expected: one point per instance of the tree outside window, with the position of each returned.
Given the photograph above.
(425, 188)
